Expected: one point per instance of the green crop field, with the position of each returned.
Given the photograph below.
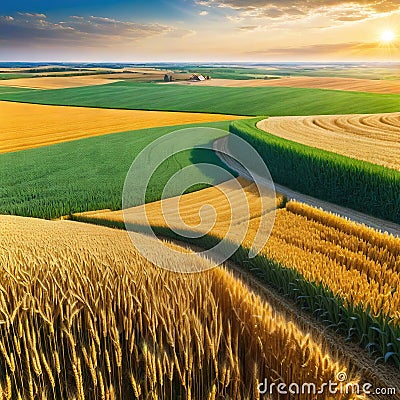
(4, 76)
(252, 101)
(88, 174)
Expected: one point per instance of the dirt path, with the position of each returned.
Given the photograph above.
(361, 218)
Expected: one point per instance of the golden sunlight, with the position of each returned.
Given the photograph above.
(388, 36)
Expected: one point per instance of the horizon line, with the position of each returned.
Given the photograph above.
(205, 62)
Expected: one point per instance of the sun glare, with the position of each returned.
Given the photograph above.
(388, 36)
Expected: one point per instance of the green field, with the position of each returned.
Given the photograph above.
(88, 174)
(223, 100)
(4, 76)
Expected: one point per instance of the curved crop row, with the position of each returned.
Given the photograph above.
(370, 137)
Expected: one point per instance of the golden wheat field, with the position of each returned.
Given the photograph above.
(83, 316)
(370, 137)
(26, 126)
(57, 82)
(355, 262)
(183, 209)
(349, 84)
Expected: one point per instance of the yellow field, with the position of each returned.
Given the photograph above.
(25, 126)
(84, 316)
(357, 263)
(57, 82)
(53, 80)
(370, 137)
(219, 199)
(351, 84)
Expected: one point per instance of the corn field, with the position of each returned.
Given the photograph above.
(359, 185)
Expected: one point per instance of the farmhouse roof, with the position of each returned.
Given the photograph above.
(198, 77)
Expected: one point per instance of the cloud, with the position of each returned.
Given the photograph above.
(339, 10)
(26, 28)
(248, 28)
(179, 33)
(205, 3)
(203, 13)
(30, 15)
(102, 26)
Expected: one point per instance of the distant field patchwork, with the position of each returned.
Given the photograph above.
(252, 101)
(349, 84)
(26, 126)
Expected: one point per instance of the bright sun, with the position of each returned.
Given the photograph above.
(388, 36)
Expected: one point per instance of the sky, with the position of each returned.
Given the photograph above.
(199, 30)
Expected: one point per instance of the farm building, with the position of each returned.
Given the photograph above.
(197, 77)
